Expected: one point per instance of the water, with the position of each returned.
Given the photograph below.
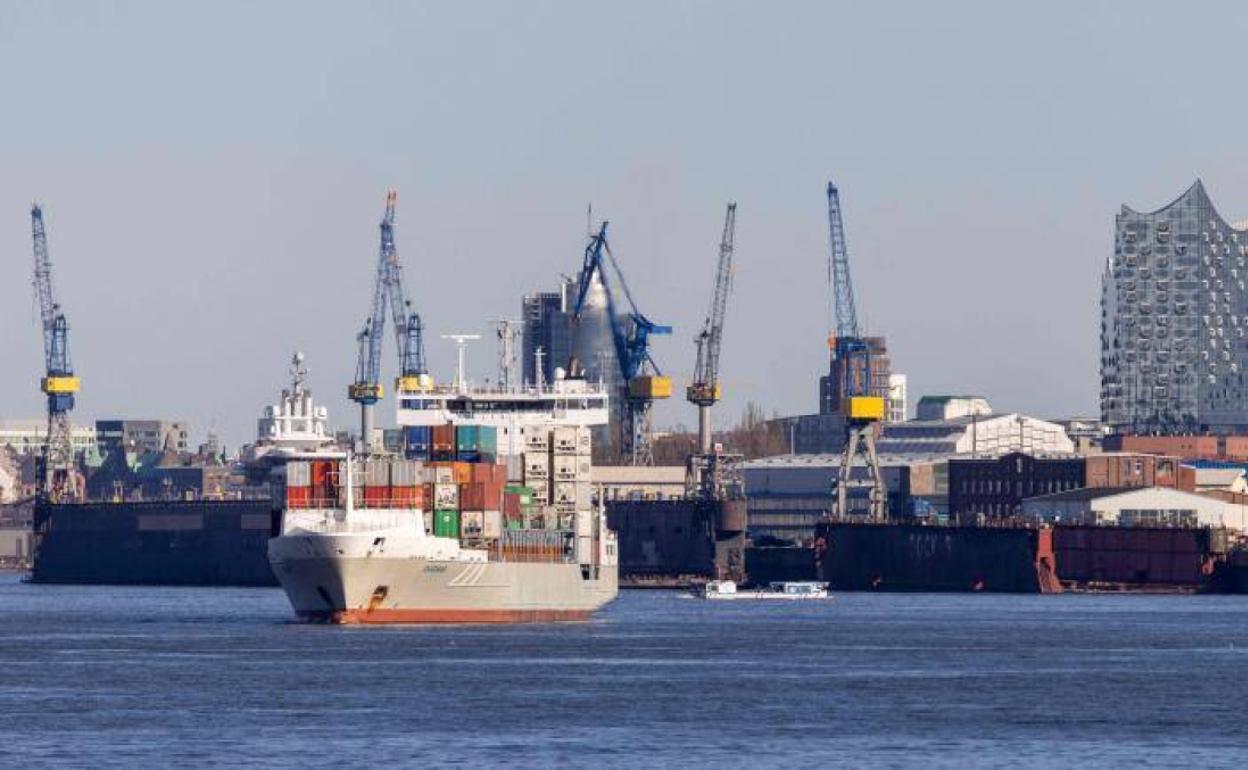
(165, 676)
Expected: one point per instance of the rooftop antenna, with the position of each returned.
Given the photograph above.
(298, 372)
(461, 341)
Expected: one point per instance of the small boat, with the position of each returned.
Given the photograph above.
(792, 590)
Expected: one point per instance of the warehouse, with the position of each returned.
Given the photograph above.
(1146, 506)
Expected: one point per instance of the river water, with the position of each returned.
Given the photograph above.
(169, 676)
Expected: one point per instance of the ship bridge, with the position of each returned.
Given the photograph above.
(512, 411)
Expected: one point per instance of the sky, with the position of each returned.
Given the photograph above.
(212, 176)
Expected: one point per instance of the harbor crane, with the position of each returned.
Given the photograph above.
(642, 382)
(367, 390)
(57, 481)
(710, 472)
(861, 405)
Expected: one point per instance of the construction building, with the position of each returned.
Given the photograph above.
(1174, 312)
(546, 319)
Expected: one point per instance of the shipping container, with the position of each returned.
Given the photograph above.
(417, 441)
(412, 497)
(565, 493)
(536, 439)
(471, 523)
(376, 497)
(406, 473)
(466, 438)
(445, 496)
(443, 474)
(515, 466)
(460, 472)
(541, 491)
(536, 466)
(442, 442)
(572, 467)
(563, 440)
(446, 523)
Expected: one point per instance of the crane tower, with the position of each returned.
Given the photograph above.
(56, 478)
(861, 406)
(367, 390)
(713, 474)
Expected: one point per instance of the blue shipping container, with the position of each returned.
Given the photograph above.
(416, 442)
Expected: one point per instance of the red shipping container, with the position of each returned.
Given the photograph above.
(376, 497)
(442, 437)
(298, 497)
(511, 505)
(408, 497)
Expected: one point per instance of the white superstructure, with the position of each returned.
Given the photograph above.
(513, 413)
(295, 425)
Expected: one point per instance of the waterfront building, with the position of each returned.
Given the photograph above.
(1174, 321)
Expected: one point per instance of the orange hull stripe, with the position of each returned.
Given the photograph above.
(380, 616)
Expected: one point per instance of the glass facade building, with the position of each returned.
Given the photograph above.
(1173, 316)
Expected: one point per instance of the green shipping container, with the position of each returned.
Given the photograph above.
(524, 493)
(446, 524)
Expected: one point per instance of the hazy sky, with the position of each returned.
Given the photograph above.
(212, 177)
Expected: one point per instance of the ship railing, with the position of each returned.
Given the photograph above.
(331, 522)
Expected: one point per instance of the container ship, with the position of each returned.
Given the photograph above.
(489, 518)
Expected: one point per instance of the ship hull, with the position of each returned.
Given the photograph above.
(348, 579)
(174, 543)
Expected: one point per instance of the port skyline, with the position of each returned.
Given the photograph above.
(240, 252)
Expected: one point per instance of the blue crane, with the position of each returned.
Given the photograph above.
(630, 336)
(859, 404)
(57, 481)
(388, 291)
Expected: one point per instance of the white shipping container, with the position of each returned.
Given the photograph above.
(471, 523)
(565, 493)
(584, 441)
(572, 467)
(492, 524)
(406, 473)
(563, 439)
(536, 465)
(515, 468)
(541, 490)
(536, 439)
(584, 495)
(445, 496)
(443, 475)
